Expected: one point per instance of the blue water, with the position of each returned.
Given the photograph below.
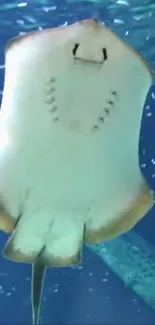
(116, 282)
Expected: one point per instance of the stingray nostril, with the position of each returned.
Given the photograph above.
(105, 56)
(75, 48)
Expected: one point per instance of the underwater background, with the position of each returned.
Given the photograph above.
(115, 284)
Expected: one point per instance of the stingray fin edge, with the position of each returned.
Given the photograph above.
(7, 224)
(15, 255)
(56, 261)
(126, 221)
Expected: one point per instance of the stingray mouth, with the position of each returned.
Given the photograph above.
(79, 54)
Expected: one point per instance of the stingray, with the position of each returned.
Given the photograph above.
(69, 145)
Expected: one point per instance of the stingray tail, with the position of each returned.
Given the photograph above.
(38, 273)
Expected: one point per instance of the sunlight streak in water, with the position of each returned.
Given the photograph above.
(132, 259)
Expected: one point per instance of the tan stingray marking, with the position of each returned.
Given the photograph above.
(126, 221)
(7, 224)
(16, 255)
(55, 261)
(32, 35)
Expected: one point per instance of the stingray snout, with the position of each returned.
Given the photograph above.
(91, 24)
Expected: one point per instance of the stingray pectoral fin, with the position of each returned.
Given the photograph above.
(7, 224)
(125, 222)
